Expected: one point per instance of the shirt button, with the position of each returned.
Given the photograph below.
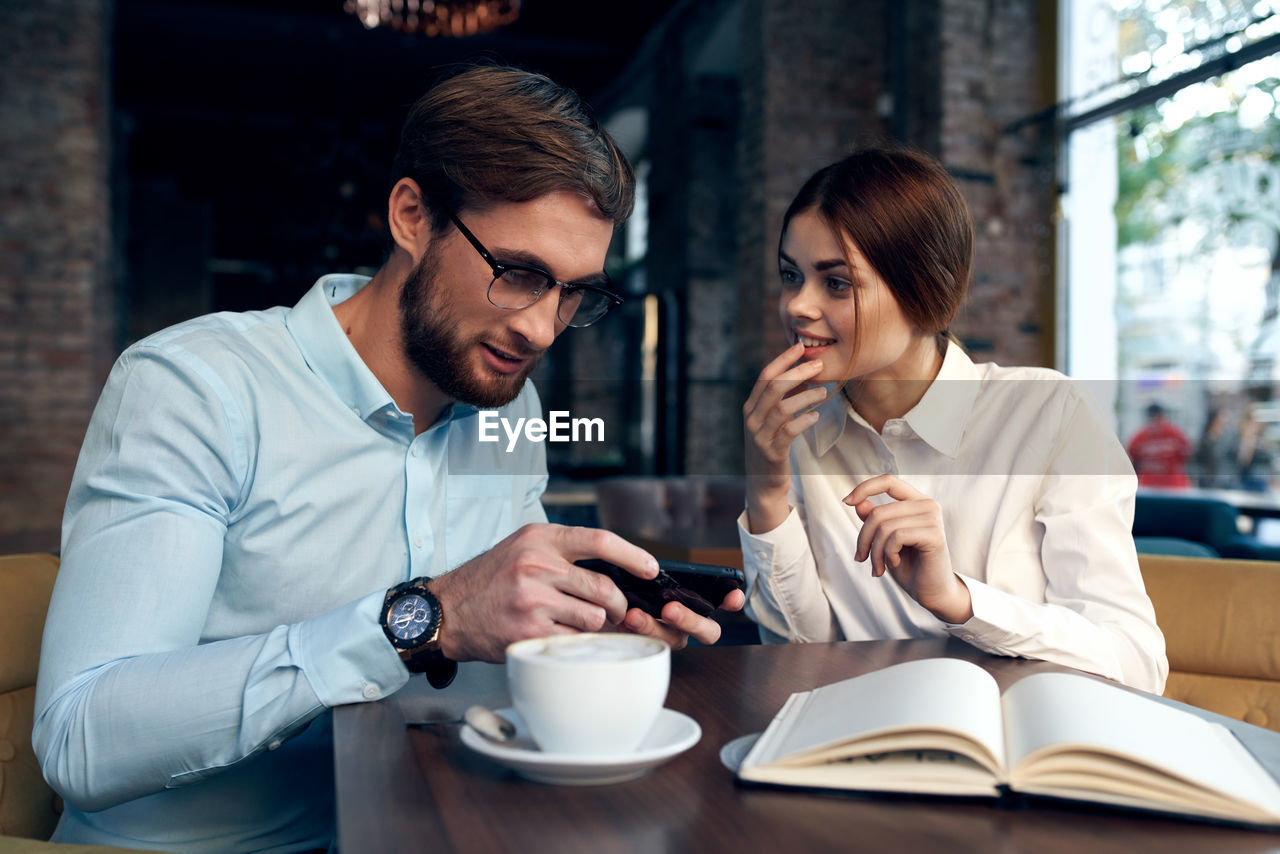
(273, 744)
(415, 451)
(370, 691)
(417, 540)
(968, 636)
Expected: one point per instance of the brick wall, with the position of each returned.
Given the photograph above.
(946, 76)
(991, 78)
(55, 308)
(812, 73)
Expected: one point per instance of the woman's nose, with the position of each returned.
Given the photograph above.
(803, 303)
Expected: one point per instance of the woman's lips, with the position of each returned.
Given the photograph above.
(814, 346)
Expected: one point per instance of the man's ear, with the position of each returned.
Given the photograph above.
(409, 218)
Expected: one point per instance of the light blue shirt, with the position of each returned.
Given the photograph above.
(246, 493)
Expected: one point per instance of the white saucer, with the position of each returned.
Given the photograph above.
(733, 752)
(672, 734)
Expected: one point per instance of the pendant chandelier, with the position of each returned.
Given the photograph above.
(435, 17)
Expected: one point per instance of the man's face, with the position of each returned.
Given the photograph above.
(468, 348)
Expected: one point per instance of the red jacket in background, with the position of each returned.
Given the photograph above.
(1159, 452)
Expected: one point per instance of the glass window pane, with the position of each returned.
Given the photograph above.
(1172, 217)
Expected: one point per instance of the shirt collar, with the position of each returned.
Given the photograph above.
(938, 418)
(328, 351)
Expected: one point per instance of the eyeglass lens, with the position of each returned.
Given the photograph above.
(516, 289)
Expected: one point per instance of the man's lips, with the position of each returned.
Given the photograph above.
(503, 361)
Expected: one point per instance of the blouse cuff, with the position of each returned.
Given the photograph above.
(984, 630)
(782, 549)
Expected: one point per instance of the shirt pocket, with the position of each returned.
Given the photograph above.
(480, 510)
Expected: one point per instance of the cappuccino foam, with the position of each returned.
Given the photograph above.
(596, 649)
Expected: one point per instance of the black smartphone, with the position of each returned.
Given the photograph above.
(700, 587)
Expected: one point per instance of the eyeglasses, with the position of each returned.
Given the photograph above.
(517, 286)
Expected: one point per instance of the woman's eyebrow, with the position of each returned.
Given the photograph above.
(819, 266)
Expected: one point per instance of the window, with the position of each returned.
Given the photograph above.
(1171, 239)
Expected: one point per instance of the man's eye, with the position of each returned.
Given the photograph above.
(524, 280)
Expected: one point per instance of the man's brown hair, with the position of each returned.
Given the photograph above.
(489, 134)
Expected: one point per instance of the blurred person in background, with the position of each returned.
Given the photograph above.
(1160, 451)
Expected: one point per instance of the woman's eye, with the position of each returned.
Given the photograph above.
(791, 277)
(839, 285)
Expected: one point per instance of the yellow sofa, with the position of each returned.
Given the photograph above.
(28, 807)
(1221, 622)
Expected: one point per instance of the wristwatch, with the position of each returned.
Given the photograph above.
(412, 619)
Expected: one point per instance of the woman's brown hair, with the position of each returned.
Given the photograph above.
(906, 216)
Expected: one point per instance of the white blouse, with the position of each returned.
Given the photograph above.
(1037, 497)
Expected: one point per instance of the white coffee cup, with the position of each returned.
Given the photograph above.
(591, 694)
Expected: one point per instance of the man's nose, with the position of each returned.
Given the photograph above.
(539, 324)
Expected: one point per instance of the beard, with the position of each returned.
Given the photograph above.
(429, 333)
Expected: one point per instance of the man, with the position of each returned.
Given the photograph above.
(268, 505)
(1160, 451)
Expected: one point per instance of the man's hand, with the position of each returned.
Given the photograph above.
(527, 586)
(678, 623)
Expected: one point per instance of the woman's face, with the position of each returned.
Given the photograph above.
(817, 307)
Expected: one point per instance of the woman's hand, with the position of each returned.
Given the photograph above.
(778, 410)
(906, 538)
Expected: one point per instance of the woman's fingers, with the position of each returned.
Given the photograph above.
(884, 484)
(890, 528)
(768, 390)
(772, 371)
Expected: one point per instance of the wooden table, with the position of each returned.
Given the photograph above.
(411, 790)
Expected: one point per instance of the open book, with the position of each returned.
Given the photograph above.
(939, 726)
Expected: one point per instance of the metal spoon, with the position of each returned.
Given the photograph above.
(489, 724)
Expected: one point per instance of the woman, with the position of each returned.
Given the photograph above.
(997, 501)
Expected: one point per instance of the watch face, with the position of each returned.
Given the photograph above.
(411, 616)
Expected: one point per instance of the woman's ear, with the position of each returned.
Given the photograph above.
(408, 218)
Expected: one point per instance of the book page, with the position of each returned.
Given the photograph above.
(932, 772)
(913, 699)
(1064, 729)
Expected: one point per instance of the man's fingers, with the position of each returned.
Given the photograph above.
(735, 601)
(601, 598)
(578, 543)
(642, 624)
(706, 630)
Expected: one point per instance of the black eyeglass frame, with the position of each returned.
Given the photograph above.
(498, 268)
